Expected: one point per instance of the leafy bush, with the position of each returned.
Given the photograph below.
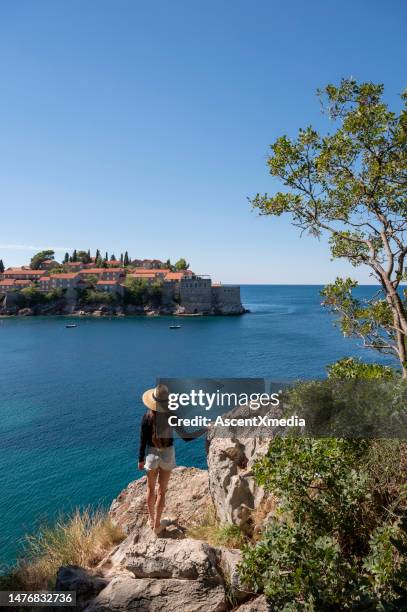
(349, 407)
(55, 294)
(140, 292)
(31, 296)
(350, 368)
(90, 296)
(331, 543)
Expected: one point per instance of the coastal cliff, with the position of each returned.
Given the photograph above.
(10, 306)
(175, 570)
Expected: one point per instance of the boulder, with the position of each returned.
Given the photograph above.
(228, 560)
(87, 584)
(186, 500)
(146, 556)
(25, 312)
(125, 593)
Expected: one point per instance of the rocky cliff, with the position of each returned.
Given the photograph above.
(173, 571)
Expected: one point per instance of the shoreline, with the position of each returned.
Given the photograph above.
(120, 316)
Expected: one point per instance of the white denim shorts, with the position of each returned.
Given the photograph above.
(160, 457)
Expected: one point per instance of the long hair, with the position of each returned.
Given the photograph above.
(161, 430)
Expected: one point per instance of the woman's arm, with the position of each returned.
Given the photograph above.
(143, 443)
(187, 436)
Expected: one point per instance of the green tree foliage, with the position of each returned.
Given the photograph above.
(335, 536)
(83, 256)
(66, 258)
(181, 264)
(351, 185)
(126, 260)
(55, 294)
(1, 266)
(31, 296)
(97, 255)
(92, 279)
(91, 296)
(38, 258)
(351, 368)
(74, 257)
(140, 292)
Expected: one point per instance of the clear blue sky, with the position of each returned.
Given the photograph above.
(145, 125)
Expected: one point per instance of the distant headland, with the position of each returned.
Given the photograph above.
(98, 285)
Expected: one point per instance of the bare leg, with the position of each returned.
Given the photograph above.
(163, 479)
(151, 496)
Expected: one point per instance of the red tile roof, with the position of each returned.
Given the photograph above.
(7, 282)
(20, 271)
(152, 271)
(174, 276)
(65, 275)
(107, 282)
(100, 270)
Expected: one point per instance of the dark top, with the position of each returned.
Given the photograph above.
(146, 435)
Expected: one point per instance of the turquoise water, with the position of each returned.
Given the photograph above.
(70, 398)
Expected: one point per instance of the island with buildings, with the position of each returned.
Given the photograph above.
(99, 286)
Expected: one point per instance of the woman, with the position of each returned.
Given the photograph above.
(156, 453)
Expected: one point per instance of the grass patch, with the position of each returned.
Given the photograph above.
(82, 538)
(210, 530)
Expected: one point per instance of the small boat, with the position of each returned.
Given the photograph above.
(174, 326)
(71, 325)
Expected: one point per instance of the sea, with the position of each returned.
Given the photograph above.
(70, 399)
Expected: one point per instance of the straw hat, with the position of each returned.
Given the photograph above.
(156, 399)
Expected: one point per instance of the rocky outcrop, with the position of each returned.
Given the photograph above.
(126, 593)
(187, 499)
(85, 583)
(232, 486)
(172, 571)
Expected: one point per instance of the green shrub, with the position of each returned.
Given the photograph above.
(91, 296)
(55, 294)
(31, 296)
(139, 292)
(349, 368)
(331, 543)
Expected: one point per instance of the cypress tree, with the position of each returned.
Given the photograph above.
(126, 259)
(74, 256)
(121, 258)
(66, 258)
(97, 256)
(1, 266)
